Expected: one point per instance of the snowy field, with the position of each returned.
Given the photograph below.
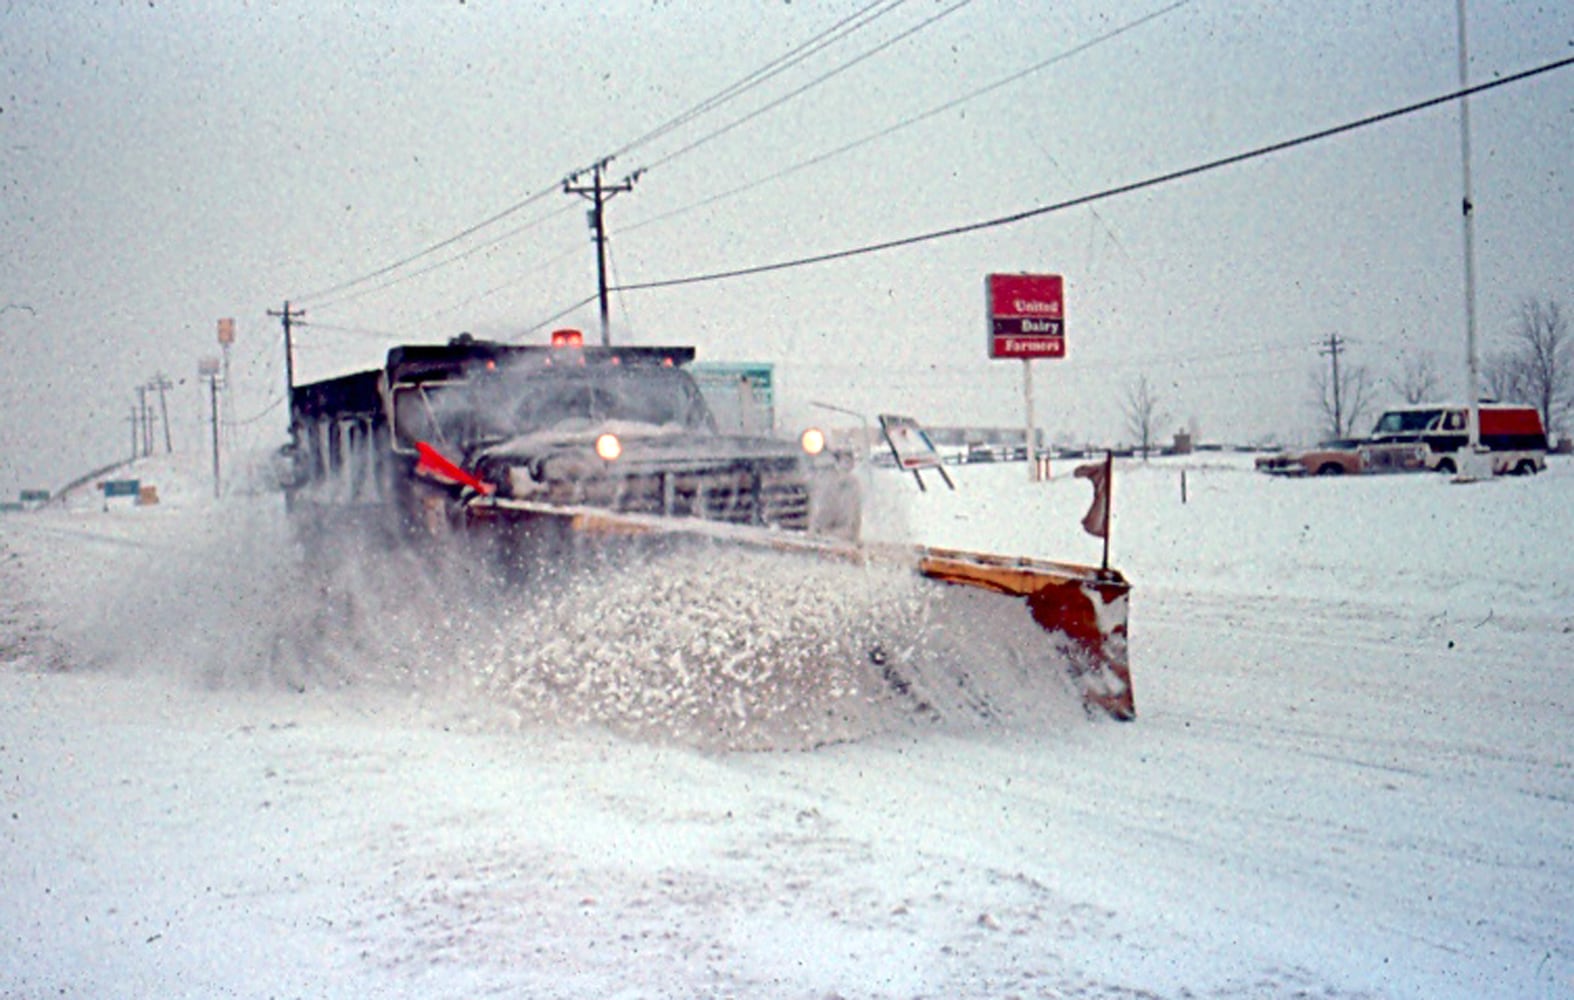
(229, 768)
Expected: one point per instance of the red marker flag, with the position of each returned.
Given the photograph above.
(1096, 521)
(433, 461)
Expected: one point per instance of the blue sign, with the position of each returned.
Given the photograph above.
(122, 488)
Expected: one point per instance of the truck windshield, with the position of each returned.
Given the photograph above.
(497, 406)
(1406, 421)
(576, 398)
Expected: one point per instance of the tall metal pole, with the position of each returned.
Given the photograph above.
(1027, 398)
(867, 441)
(229, 397)
(1473, 362)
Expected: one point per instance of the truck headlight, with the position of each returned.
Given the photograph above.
(609, 447)
(813, 441)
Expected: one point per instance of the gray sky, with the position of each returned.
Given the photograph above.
(166, 164)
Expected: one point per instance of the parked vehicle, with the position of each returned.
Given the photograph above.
(1512, 434)
(1426, 437)
(1337, 457)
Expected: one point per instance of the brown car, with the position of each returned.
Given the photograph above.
(1330, 458)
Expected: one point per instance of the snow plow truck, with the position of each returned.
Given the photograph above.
(544, 446)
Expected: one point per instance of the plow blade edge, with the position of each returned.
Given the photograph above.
(1081, 609)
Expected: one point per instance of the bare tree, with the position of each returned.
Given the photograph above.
(1344, 400)
(1502, 377)
(1143, 413)
(1538, 365)
(1417, 380)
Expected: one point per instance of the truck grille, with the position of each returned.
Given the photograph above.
(734, 496)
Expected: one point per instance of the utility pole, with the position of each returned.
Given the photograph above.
(132, 420)
(213, 407)
(208, 368)
(288, 318)
(162, 383)
(1335, 345)
(144, 421)
(598, 194)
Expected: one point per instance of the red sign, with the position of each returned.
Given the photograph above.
(1026, 316)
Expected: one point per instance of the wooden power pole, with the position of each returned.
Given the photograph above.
(599, 193)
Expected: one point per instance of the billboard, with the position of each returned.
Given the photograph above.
(1026, 315)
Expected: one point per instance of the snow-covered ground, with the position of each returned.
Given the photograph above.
(231, 768)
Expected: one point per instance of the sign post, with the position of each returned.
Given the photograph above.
(1026, 321)
(226, 332)
(208, 368)
(1027, 405)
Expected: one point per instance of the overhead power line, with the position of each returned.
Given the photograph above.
(438, 264)
(558, 315)
(922, 116)
(1107, 193)
(428, 251)
(518, 278)
(258, 415)
(848, 25)
(359, 331)
(799, 91)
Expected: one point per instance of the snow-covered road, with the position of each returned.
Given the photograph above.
(1352, 775)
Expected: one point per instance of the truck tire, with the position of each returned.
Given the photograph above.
(1330, 469)
(1446, 467)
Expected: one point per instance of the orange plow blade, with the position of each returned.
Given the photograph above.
(1082, 608)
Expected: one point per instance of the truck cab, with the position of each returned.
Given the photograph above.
(472, 429)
